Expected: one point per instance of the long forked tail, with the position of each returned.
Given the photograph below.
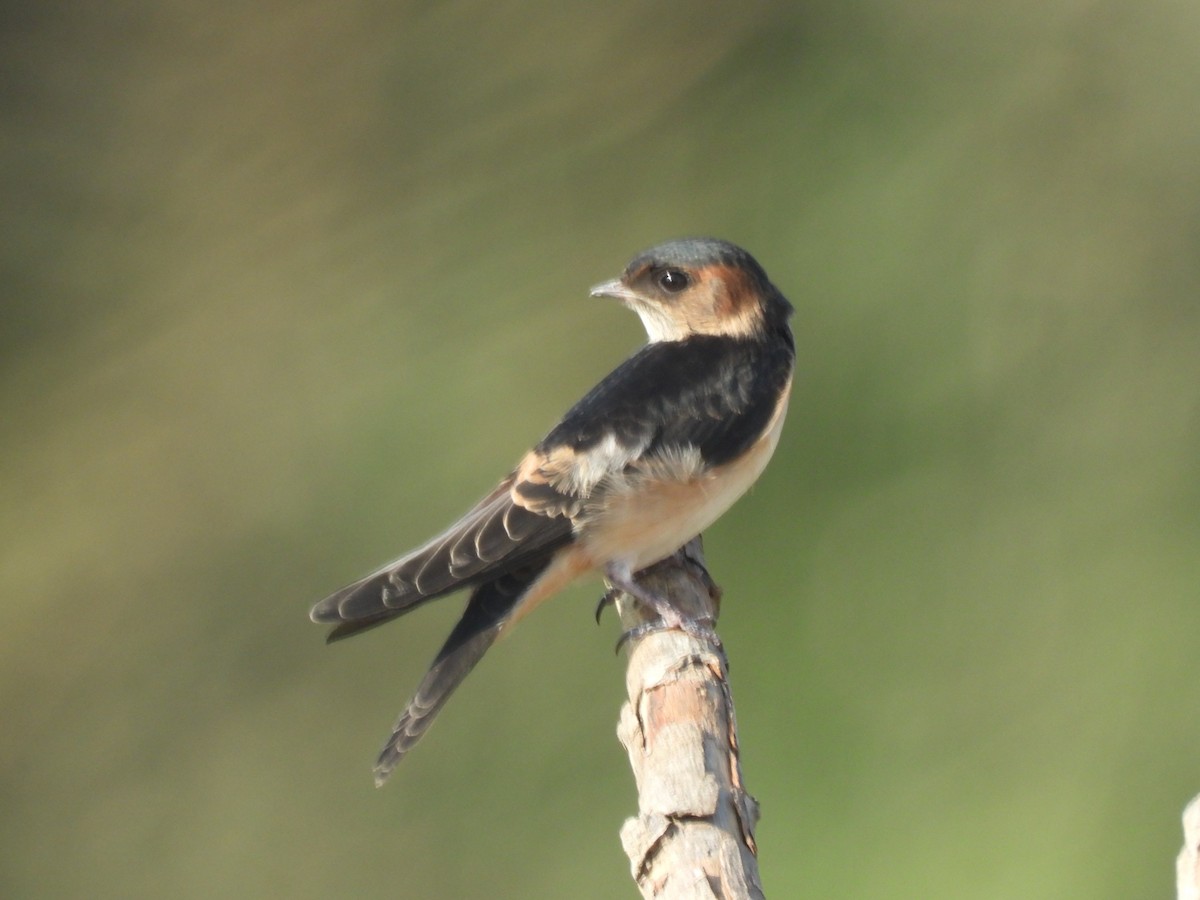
(487, 612)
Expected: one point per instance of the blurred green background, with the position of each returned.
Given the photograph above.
(271, 273)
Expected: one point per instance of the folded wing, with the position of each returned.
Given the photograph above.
(498, 535)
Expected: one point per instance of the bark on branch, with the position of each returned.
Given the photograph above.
(693, 836)
(1187, 865)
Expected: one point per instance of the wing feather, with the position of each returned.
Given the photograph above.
(494, 537)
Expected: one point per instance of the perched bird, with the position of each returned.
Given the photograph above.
(648, 459)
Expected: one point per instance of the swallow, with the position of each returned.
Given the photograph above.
(648, 459)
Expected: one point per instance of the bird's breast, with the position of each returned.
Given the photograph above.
(655, 506)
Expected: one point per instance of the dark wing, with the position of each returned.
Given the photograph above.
(497, 536)
(714, 393)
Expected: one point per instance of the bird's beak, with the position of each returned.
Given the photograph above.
(615, 289)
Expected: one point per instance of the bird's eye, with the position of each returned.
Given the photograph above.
(673, 280)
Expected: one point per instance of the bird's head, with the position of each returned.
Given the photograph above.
(698, 286)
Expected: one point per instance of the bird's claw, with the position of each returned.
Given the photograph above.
(609, 599)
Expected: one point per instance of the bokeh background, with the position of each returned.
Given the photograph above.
(286, 286)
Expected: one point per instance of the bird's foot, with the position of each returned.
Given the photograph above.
(669, 617)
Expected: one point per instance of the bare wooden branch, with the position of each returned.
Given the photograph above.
(693, 836)
(1187, 866)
